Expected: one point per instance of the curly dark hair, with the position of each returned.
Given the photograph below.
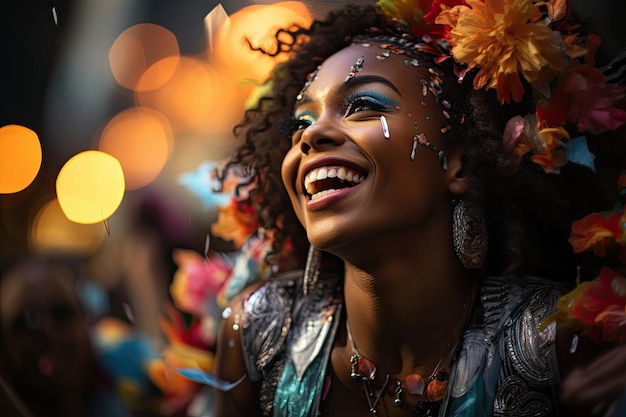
(528, 212)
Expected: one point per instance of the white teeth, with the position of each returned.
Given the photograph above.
(322, 194)
(322, 173)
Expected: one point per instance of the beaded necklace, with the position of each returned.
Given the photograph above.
(432, 389)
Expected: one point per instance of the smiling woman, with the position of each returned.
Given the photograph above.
(423, 172)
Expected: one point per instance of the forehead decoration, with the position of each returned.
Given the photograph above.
(312, 76)
(356, 67)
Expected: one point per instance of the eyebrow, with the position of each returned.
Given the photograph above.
(355, 82)
(367, 79)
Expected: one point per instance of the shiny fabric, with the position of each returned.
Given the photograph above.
(504, 367)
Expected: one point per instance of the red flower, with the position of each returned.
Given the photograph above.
(601, 307)
(596, 231)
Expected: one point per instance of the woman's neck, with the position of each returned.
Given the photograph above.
(406, 315)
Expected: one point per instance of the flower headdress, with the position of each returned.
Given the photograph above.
(512, 42)
(509, 43)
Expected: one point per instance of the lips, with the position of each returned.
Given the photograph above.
(323, 180)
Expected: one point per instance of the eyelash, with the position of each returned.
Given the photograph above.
(354, 103)
(363, 102)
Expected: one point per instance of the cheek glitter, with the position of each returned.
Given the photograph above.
(383, 122)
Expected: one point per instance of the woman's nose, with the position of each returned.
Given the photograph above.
(319, 135)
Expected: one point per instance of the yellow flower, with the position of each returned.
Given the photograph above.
(498, 37)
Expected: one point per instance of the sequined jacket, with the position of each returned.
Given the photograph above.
(505, 366)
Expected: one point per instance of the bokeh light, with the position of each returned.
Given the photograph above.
(138, 48)
(52, 232)
(258, 24)
(196, 98)
(90, 187)
(141, 139)
(20, 158)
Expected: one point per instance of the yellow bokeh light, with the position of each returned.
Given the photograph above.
(196, 98)
(90, 187)
(141, 139)
(258, 24)
(52, 232)
(20, 158)
(139, 47)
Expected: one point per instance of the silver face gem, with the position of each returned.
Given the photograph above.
(356, 67)
(383, 122)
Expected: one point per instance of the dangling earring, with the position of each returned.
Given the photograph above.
(311, 270)
(469, 236)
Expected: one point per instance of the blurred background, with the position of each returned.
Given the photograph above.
(112, 116)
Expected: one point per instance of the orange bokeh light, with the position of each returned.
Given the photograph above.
(20, 158)
(139, 47)
(258, 24)
(196, 98)
(52, 232)
(141, 139)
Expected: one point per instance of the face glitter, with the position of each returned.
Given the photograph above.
(309, 79)
(420, 139)
(356, 67)
(383, 122)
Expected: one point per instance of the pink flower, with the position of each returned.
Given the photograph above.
(198, 280)
(583, 97)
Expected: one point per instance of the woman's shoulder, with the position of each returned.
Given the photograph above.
(271, 309)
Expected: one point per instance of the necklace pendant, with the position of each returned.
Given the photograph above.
(398, 401)
(414, 384)
(362, 368)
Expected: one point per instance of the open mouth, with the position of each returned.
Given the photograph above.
(325, 180)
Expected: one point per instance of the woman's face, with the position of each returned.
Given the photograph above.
(373, 187)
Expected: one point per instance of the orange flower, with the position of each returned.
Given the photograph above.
(235, 222)
(497, 37)
(596, 231)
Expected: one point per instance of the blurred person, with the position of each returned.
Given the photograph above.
(46, 355)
